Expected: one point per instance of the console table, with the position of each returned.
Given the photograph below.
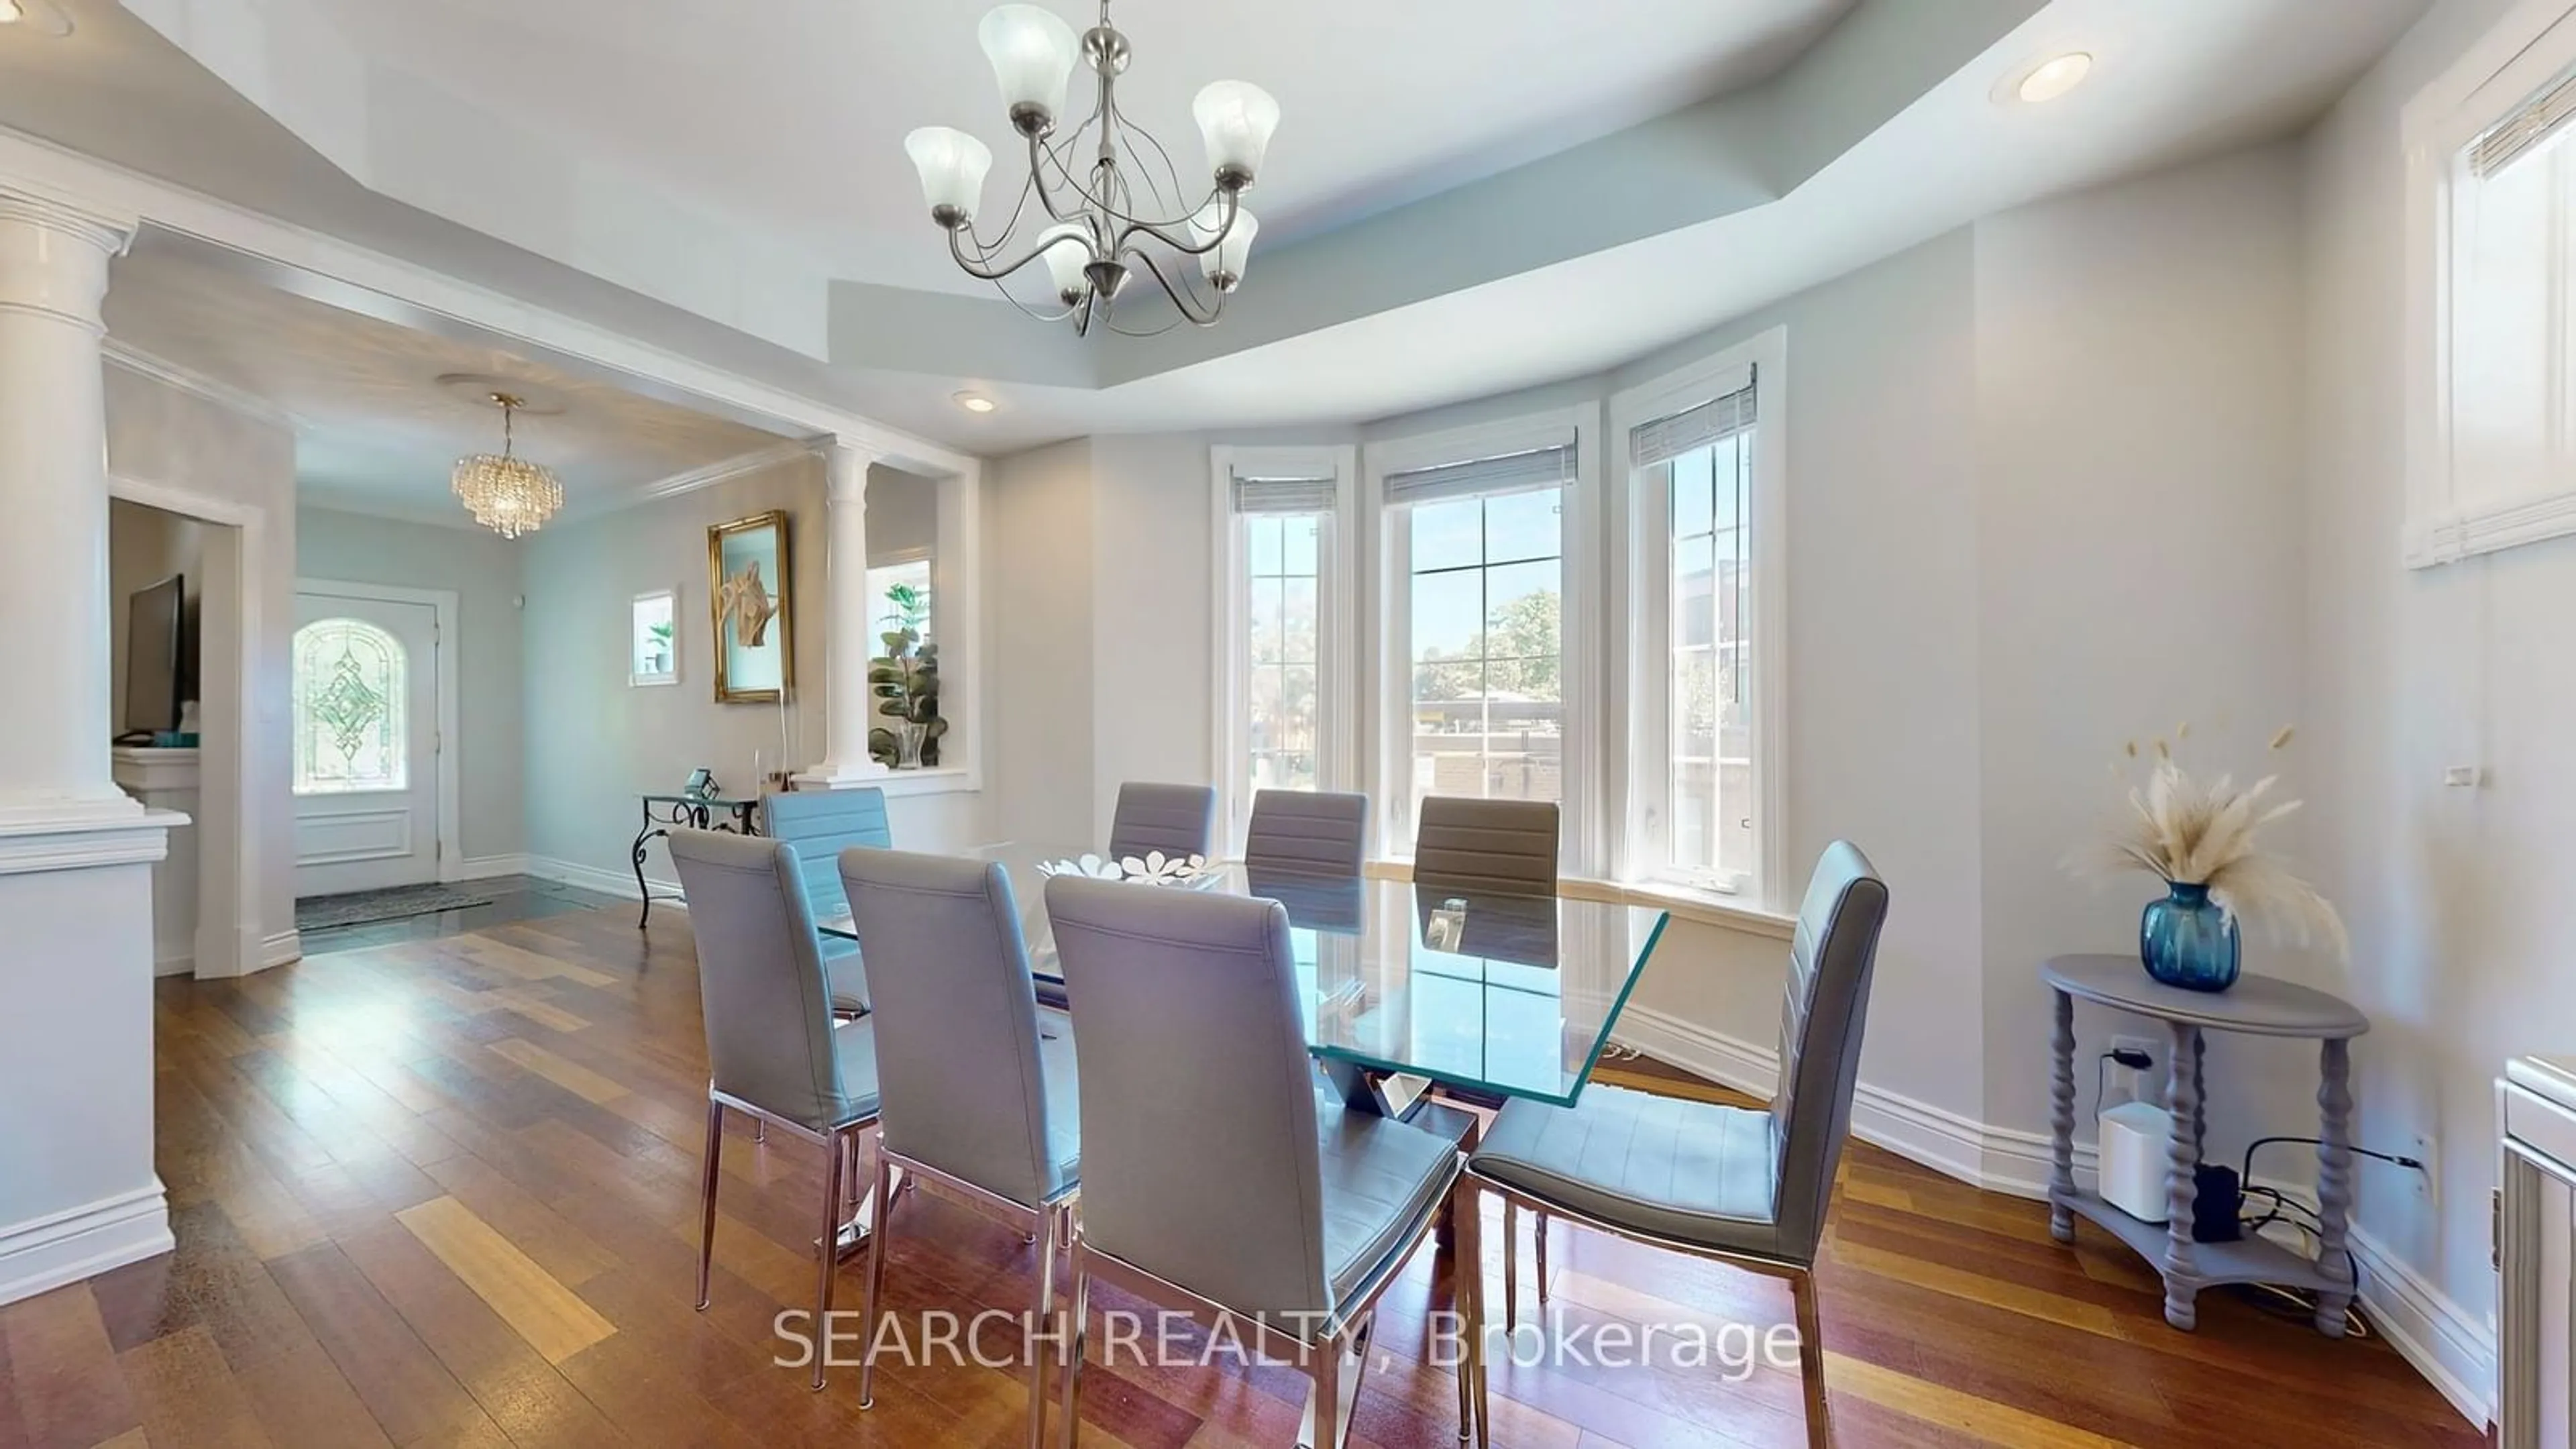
(2255, 1006)
(695, 812)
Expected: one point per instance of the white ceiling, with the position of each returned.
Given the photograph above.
(502, 143)
(790, 114)
(374, 429)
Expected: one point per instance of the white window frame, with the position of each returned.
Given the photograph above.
(1387, 600)
(635, 678)
(1642, 581)
(2445, 521)
(1336, 623)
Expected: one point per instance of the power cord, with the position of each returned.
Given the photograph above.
(2301, 1217)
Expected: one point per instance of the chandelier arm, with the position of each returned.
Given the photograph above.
(1169, 169)
(1233, 209)
(986, 251)
(1037, 172)
(1028, 311)
(958, 251)
(1183, 297)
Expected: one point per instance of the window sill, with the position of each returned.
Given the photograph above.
(1705, 908)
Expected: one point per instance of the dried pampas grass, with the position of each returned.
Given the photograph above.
(2187, 831)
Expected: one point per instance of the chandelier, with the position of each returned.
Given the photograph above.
(1101, 210)
(507, 494)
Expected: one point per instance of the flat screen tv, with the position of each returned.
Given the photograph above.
(156, 659)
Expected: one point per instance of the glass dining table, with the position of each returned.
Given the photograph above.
(1492, 996)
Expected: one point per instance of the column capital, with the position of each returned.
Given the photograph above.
(105, 228)
(845, 469)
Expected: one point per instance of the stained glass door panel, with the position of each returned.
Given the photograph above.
(364, 729)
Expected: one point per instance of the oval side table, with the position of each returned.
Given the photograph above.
(2255, 1006)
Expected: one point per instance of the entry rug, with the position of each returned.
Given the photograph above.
(319, 913)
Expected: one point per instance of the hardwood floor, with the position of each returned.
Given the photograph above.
(443, 1192)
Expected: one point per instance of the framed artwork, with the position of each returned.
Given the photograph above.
(749, 588)
(653, 643)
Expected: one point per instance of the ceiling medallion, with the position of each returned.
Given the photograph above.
(506, 493)
(1095, 226)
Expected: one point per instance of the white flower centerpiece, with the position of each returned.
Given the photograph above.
(2202, 839)
(1151, 868)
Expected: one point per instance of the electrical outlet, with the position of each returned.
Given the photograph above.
(2428, 1183)
(2135, 1085)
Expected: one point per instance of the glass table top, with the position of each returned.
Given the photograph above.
(1502, 994)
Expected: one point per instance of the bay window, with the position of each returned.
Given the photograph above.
(1704, 617)
(1281, 657)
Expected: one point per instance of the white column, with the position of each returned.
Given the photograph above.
(77, 1192)
(848, 641)
(53, 513)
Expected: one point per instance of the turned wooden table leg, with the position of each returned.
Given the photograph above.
(2061, 1124)
(2182, 1191)
(2334, 1181)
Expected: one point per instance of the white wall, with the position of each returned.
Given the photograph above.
(483, 570)
(158, 434)
(2140, 564)
(1039, 570)
(2455, 897)
(594, 742)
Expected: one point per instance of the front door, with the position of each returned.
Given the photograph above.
(366, 743)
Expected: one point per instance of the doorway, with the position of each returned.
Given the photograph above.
(373, 696)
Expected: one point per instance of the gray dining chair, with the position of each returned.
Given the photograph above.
(774, 1053)
(1486, 847)
(1174, 819)
(1306, 832)
(821, 824)
(1216, 1182)
(1730, 1183)
(980, 1097)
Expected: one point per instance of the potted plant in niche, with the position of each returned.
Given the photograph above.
(905, 681)
(2200, 837)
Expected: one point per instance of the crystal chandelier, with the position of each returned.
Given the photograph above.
(507, 494)
(1101, 211)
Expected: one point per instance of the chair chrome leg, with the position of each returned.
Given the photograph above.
(707, 1199)
(875, 1280)
(1077, 1332)
(1048, 1238)
(1542, 1265)
(1324, 1414)
(1471, 1294)
(1511, 1264)
(759, 1129)
(1811, 1360)
(827, 1255)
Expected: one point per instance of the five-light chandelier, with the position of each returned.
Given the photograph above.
(1102, 211)
(506, 493)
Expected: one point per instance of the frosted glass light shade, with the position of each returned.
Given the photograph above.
(952, 166)
(1235, 119)
(1227, 257)
(1067, 251)
(1032, 51)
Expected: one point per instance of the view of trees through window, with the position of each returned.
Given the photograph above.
(1280, 556)
(1488, 576)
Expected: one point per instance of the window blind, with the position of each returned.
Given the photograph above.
(1485, 477)
(1667, 438)
(1282, 495)
(2534, 121)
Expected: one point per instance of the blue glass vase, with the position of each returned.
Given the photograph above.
(2187, 941)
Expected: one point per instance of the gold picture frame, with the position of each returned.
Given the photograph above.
(755, 622)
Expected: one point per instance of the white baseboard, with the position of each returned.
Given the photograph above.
(278, 949)
(620, 883)
(182, 964)
(42, 1255)
(2450, 1347)
(483, 867)
(1994, 1158)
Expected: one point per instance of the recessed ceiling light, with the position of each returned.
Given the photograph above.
(975, 402)
(2053, 77)
(10, 14)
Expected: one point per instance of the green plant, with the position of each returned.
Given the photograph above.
(905, 681)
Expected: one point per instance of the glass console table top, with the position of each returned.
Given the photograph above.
(1509, 995)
